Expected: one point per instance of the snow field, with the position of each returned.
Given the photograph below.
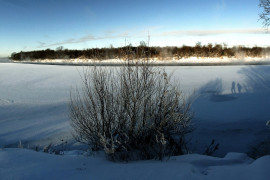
(34, 110)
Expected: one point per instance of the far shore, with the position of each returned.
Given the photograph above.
(192, 61)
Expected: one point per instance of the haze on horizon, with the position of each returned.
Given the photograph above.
(36, 24)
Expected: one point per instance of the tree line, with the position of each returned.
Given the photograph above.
(162, 53)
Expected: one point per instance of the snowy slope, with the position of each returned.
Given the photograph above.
(26, 164)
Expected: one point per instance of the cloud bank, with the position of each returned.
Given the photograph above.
(213, 32)
(127, 34)
(86, 38)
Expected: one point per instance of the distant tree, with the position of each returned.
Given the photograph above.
(13, 55)
(143, 51)
(265, 4)
(198, 49)
(60, 48)
(143, 44)
(198, 44)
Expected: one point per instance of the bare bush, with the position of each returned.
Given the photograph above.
(260, 149)
(133, 112)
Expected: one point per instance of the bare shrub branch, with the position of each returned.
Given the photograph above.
(264, 15)
(132, 112)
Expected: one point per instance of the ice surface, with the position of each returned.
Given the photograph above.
(34, 103)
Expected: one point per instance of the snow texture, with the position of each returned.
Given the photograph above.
(26, 164)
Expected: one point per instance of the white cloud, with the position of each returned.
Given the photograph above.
(87, 38)
(154, 34)
(212, 32)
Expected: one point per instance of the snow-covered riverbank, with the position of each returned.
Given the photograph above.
(191, 61)
(26, 164)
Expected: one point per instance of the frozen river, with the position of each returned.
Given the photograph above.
(34, 103)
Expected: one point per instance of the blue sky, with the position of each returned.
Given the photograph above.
(27, 25)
